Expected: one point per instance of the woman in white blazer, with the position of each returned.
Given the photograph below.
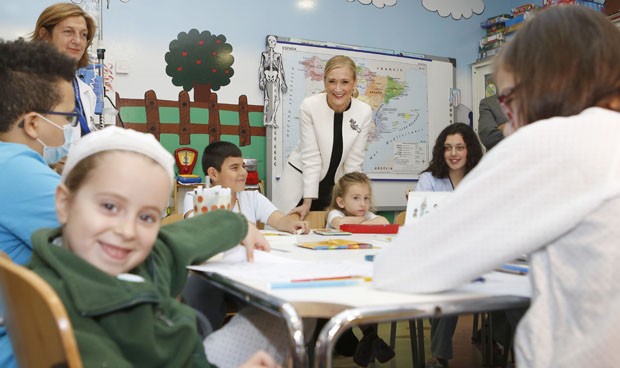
(68, 27)
(334, 129)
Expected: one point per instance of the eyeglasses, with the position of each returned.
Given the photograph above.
(505, 99)
(72, 117)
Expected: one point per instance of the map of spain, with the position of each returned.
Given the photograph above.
(396, 92)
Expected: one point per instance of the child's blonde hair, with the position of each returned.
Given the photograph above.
(343, 185)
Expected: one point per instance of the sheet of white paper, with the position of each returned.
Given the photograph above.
(269, 267)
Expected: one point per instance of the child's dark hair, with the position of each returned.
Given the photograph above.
(30, 73)
(344, 183)
(438, 166)
(215, 154)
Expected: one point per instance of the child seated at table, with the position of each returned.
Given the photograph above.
(222, 164)
(351, 204)
(117, 272)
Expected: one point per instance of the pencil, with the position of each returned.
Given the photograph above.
(328, 278)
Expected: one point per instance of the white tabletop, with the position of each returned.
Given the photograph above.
(360, 301)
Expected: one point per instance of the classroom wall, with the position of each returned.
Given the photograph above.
(137, 35)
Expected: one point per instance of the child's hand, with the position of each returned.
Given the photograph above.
(379, 220)
(254, 239)
(300, 227)
(260, 359)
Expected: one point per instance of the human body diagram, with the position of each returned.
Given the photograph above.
(271, 81)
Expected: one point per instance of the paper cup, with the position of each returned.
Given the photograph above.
(216, 198)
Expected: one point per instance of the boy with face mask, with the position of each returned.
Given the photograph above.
(37, 112)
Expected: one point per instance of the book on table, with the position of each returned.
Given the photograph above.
(335, 244)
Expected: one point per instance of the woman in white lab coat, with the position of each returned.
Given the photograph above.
(68, 27)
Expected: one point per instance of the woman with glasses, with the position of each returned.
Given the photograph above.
(71, 30)
(550, 190)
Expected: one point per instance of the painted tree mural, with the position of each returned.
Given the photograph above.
(201, 61)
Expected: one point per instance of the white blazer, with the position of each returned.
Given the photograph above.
(313, 153)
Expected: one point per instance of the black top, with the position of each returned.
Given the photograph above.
(327, 184)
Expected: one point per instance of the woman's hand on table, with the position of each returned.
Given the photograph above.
(302, 210)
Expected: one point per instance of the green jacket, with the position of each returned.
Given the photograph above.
(137, 324)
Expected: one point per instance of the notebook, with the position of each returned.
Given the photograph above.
(330, 232)
(335, 244)
(421, 204)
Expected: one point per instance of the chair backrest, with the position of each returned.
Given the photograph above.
(172, 218)
(400, 218)
(317, 219)
(36, 320)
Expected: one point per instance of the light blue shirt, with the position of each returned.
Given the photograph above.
(27, 188)
(428, 183)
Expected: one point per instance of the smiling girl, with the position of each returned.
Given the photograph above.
(457, 151)
(115, 270)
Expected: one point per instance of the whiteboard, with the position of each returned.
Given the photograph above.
(410, 95)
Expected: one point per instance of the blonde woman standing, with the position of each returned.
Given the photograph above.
(333, 132)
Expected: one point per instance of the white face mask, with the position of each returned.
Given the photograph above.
(54, 154)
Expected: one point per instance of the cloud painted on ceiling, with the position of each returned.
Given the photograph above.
(456, 8)
(378, 3)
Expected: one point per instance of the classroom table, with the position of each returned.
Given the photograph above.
(353, 302)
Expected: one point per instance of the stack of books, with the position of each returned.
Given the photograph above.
(596, 5)
(494, 38)
(500, 28)
(519, 15)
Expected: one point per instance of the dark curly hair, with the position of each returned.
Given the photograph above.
(438, 166)
(29, 76)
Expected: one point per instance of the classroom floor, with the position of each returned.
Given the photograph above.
(466, 355)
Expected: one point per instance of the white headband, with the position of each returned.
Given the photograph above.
(115, 138)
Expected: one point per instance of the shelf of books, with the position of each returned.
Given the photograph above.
(499, 28)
